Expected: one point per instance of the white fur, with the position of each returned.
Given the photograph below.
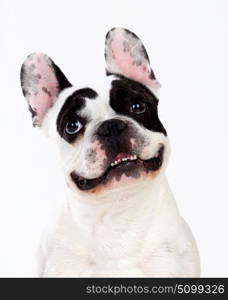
(137, 233)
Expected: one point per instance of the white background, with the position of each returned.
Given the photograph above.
(187, 45)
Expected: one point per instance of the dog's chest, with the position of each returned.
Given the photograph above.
(98, 247)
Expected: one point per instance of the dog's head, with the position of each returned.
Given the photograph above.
(108, 138)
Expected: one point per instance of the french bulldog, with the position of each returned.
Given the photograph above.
(120, 218)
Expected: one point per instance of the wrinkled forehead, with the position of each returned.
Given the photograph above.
(84, 96)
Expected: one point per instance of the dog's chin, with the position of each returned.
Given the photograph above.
(125, 169)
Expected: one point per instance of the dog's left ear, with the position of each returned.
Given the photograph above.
(126, 55)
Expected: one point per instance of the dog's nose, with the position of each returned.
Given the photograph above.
(111, 128)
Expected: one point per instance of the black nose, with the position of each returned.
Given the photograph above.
(111, 128)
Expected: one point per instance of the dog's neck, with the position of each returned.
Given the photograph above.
(131, 203)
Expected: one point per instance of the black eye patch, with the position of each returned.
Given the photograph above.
(126, 93)
(69, 112)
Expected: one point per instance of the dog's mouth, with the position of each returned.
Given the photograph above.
(127, 164)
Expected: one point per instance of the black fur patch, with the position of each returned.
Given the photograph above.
(22, 76)
(125, 92)
(61, 78)
(68, 113)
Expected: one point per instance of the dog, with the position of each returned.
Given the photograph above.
(120, 218)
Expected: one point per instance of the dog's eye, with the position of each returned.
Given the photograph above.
(138, 108)
(73, 127)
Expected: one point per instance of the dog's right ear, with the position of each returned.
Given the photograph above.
(41, 82)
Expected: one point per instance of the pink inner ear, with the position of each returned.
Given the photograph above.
(123, 60)
(42, 84)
